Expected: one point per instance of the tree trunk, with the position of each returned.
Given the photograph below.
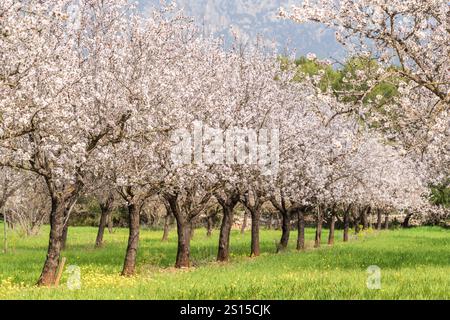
(5, 233)
(69, 205)
(110, 223)
(255, 251)
(209, 226)
(244, 223)
(379, 219)
(355, 221)
(101, 228)
(301, 230)
(106, 209)
(405, 223)
(270, 221)
(224, 237)
(64, 235)
(318, 228)
(331, 234)
(346, 224)
(129, 266)
(364, 221)
(386, 221)
(185, 229)
(165, 236)
(48, 274)
(62, 202)
(184, 243)
(285, 231)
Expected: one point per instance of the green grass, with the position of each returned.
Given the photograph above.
(415, 264)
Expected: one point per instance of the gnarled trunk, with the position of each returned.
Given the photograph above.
(110, 224)
(209, 226)
(346, 224)
(69, 205)
(319, 222)
(224, 237)
(285, 231)
(106, 209)
(184, 231)
(101, 229)
(184, 244)
(301, 230)
(50, 268)
(405, 223)
(5, 231)
(355, 222)
(331, 234)
(62, 202)
(244, 223)
(65, 233)
(129, 266)
(165, 236)
(386, 221)
(364, 220)
(379, 220)
(255, 251)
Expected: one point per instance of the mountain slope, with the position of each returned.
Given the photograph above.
(250, 18)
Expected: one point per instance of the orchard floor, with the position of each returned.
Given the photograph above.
(414, 263)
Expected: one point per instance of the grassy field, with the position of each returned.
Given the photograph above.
(415, 264)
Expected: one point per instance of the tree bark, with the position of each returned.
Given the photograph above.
(110, 223)
(101, 229)
(355, 221)
(364, 222)
(285, 231)
(185, 229)
(255, 250)
(210, 219)
(331, 234)
(165, 236)
(209, 226)
(5, 232)
(318, 228)
(224, 237)
(184, 244)
(129, 266)
(386, 221)
(64, 235)
(105, 212)
(62, 202)
(228, 204)
(301, 230)
(346, 224)
(47, 277)
(106, 209)
(379, 219)
(244, 223)
(405, 223)
(68, 207)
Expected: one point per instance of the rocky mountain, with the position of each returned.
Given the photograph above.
(250, 18)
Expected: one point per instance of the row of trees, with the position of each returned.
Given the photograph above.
(94, 103)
